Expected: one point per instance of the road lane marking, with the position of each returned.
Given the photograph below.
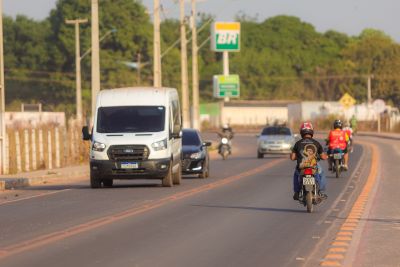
(345, 234)
(35, 196)
(96, 223)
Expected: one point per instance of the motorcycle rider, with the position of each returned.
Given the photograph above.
(338, 139)
(227, 133)
(308, 151)
(347, 128)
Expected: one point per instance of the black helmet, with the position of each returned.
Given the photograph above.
(338, 124)
(306, 128)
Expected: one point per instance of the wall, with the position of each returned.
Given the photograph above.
(34, 119)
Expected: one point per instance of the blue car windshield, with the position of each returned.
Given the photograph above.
(190, 139)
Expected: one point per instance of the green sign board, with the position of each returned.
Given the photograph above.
(225, 36)
(226, 86)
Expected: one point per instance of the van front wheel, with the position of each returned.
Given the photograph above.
(167, 180)
(178, 176)
(95, 182)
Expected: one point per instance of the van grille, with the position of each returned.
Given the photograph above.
(128, 152)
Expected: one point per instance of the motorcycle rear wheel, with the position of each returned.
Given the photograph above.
(337, 168)
(309, 202)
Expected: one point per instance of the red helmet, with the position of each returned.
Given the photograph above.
(306, 128)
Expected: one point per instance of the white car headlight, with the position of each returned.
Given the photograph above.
(197, 155)
(160, 145)
(224, 141)
(97, 146)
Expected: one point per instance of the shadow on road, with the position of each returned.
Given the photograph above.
(59, 187)
(251, 208)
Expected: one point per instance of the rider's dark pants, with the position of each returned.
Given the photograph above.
(319, 176)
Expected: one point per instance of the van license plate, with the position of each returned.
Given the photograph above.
(129, 165)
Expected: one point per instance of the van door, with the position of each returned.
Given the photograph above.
(176, 128)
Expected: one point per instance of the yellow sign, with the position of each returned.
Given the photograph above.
(347, 101)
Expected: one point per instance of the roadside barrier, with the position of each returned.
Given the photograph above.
(46, 147)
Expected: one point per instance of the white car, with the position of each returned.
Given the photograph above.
(275, 139)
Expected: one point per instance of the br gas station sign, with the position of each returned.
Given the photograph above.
(225, 36)
(226, 86)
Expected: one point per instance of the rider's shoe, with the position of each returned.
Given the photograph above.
(296, 196)
(323, 195)
(345, 167)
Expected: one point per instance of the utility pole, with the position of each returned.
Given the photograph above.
(78, 67)
(139, 68)
(157, 76)
(195, 70)
(369, 89)
(3, 159)
(184, 64)
(95, 55)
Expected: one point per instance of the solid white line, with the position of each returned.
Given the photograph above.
(36, 196)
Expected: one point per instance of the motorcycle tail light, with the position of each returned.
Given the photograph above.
(308, 171)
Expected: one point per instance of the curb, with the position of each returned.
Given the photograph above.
(19, 182)
(384, 136)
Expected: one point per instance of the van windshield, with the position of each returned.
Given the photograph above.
(130, 119)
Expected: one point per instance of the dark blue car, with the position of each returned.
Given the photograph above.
(195, 158)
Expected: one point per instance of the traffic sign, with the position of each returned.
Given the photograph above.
(379, 105)
(226, 86)
(225, 36)
(347, 101)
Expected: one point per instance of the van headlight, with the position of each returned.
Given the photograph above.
(97, 146)
(160, 145)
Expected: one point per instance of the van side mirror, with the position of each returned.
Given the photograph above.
(177, 135)
(207, 143)
(85, 133)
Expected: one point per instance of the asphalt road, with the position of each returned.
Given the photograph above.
(243, 215)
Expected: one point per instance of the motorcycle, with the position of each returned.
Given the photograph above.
(309, 193)
(224, 148)
(336, 158)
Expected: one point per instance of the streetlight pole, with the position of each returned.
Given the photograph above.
(157, 46)
(78, 67)
(3, 160)
(195, 70)
(95, 54)
(184, 72)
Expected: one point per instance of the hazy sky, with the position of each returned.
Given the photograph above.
(348, 16)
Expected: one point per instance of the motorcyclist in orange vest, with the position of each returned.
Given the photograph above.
(338, 139)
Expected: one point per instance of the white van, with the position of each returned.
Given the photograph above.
(136, 134)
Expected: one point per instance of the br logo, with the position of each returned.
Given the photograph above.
(227, 38)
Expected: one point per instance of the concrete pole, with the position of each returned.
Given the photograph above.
(78, 67)
(2, 97)
(157, 73)
(195, 70)
(184, 72)
(369, 90)
(139, 69)
(95, 55)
